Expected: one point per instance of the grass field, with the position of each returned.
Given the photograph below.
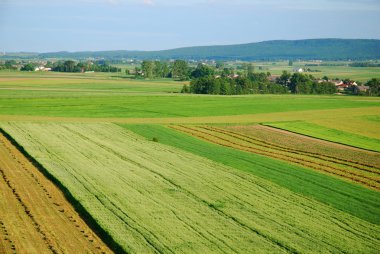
(344, 196)
(217, 179)
(156, 198)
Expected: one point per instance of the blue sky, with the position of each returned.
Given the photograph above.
(78, 25)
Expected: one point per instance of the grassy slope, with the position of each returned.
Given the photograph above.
(342, 195)
(153, 197)
(330, 134)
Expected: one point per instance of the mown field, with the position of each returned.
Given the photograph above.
(224, 175)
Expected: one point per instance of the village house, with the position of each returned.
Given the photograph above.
(362, 89)
(42, 68)
(299, 70)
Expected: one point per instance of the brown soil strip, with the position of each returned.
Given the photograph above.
(354, 164)
(355, 176)
(310, 145)
(35, 217)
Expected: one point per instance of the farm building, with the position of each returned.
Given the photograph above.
(362, 89)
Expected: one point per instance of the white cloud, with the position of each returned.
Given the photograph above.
(148, 2)
(113, 2)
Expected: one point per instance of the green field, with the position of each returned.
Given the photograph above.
(65, 95)
(156, 198)
(182, 194)
(339, 194)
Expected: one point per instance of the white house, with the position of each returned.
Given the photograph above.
(42, 68)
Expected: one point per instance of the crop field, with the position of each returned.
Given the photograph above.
(352, 198)
(133, 166)
(34, 215)
(156, 198)
(367, 174)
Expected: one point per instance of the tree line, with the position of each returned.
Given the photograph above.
(179, 70)
(72, 66)
(259, 83)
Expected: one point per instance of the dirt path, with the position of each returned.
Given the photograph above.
(34, 215)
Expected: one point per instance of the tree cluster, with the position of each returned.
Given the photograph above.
(28, 67)
(299, 83)
(364, 64)
(72, 66)
(259, 83)
(153, 69)
(8, 65)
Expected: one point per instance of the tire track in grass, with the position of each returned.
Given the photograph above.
(328, 169)
(120, 210)
(274, 204)
(101, 201)
(124, 158)
(126, 221)
(140, 166)
(195, 197)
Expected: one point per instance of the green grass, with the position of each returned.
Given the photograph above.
(116, 105)
(334, 135)
(156, 198)
(103, 95)
(345, 196)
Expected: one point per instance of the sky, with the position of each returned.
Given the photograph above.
(92, 25)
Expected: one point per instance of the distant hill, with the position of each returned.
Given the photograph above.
(321, 49)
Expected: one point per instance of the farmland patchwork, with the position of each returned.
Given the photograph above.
(152, 197)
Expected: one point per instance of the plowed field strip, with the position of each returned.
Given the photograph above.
(373, 176)
(351, 163)
(42, 221)
(351, 175)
